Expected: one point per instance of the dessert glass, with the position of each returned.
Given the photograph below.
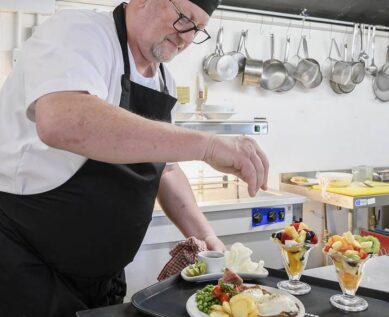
(294, 258)
(349, 274)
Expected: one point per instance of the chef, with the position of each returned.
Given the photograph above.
(85, 129)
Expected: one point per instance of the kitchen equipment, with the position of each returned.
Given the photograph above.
(253, 69)
(372, 68)
(238, 55)
(348, 86)
(341, 70)
(307, 70)
(219, 66)
(290, 81)
(381, 175)
(358, 67)
(362, 173)
(274, 72)
(381, 81)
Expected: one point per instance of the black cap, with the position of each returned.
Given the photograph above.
(207, 5)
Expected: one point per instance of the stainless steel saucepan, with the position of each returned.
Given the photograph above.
(219, 66)
(253, 69)
(290, 81)
(274, 72)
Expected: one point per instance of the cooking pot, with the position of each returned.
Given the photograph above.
(219, 66)
(347, 86)
(307, 70)
(381, 81)
(290, 81)
(238, 55)
(253, 68)
(274, 72)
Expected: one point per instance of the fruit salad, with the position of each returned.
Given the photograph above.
(348, 252)
(295, 241)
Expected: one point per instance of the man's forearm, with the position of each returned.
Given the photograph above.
(176, 198)
(86, 125)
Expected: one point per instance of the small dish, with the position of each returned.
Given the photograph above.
(218, 115)
(305, 182)
(216, 276)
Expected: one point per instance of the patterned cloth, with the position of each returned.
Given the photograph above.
(183, 254)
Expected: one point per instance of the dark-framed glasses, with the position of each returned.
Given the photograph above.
(184, 25)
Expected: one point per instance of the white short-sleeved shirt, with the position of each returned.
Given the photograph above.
(75, 50)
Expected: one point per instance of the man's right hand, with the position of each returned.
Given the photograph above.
(240, 156)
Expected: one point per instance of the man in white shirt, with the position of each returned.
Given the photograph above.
(84, 131)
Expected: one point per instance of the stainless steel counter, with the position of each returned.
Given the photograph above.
(353, 204)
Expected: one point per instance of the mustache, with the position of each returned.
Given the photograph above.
(177, 41)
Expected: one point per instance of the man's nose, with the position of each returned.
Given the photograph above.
(188, 36)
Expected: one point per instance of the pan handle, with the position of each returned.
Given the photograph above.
(219, 42)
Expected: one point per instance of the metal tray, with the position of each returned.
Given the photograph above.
(168, 298)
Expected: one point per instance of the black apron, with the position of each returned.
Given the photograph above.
(64, 250)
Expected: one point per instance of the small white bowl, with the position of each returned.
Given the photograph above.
(184, 115)
(218, 115)
(334, 179)
(218, 108)
(213, 259)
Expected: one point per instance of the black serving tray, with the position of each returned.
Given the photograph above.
(168, 298)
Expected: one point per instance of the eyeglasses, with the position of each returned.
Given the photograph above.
(184, 25)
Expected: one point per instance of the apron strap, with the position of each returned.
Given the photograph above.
(120, 22)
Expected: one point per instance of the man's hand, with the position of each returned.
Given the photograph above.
(240, 156)
(214, 243)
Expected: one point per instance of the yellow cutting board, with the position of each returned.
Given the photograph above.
(357, 191)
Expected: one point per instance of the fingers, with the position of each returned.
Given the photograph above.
(265, 164)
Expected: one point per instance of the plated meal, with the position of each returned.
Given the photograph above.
(231, 298)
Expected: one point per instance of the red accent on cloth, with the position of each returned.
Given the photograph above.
(183, 254)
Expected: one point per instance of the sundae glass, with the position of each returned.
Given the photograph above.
(295, 243)
(349, 253)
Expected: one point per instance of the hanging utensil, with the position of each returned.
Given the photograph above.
(372, 68)
(274, 72)
(348, 86)
(358, 67)
(219, 66)
(253, 68)
(290, 81)
(238, 55)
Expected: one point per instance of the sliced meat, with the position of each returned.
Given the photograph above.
(231, 277)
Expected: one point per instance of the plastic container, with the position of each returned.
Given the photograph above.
(334, 179)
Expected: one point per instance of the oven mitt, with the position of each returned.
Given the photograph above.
(183, 254)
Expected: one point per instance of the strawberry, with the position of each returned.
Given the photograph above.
(296, 225)
(314, 239)
(327, 248)
(285, 236)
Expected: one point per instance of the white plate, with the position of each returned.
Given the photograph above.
(310, 182)
(193, 311)
(215, 276)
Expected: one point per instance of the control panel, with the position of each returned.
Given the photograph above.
(266, 216)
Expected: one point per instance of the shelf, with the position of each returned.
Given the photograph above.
(255, 127)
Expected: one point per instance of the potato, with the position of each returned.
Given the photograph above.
(239, 308)
(217, 307)
(217, 313)
(227, 307)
